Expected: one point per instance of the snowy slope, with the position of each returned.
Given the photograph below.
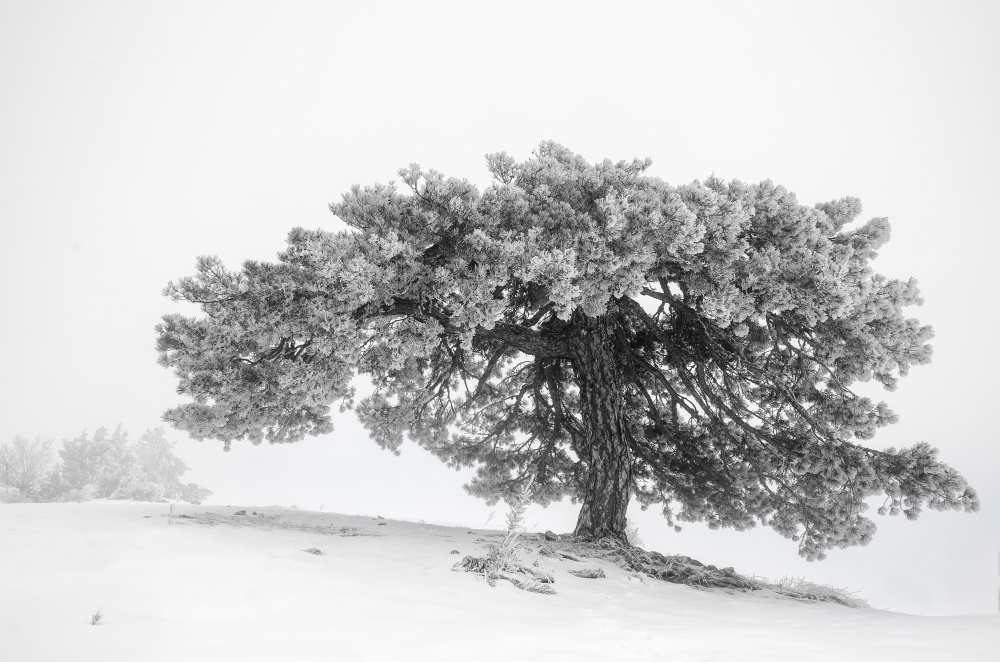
(178, 590)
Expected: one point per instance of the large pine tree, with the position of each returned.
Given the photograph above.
(589, 328)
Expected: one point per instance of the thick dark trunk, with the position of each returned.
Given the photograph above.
(604, 449)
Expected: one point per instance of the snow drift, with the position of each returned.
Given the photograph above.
(206, 584)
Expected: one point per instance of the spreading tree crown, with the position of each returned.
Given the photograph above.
(736, 321)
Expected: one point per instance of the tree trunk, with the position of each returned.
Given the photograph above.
(604, 448)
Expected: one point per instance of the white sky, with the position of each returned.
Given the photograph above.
(138, 135)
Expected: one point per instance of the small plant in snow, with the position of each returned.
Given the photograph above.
(503, 556)
(502, 562)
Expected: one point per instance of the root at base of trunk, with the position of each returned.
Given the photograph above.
(676, 569)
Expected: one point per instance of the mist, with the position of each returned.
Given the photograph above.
(139, 136)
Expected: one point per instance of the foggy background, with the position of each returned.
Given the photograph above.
(138, 135)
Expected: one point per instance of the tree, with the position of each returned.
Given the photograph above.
(108, 466)
(155, 458)
(23, 466)
(156, 472)
(587, 327)
(98, 465)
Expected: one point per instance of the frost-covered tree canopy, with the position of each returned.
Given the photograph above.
(587, 327)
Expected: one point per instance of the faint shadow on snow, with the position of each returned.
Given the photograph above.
(539, 550)
(289, 521)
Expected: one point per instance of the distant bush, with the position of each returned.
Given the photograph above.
(10, 494)
(23, 468)
(102, 462)
(99, 466)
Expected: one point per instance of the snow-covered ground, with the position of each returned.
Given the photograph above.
(179, 590)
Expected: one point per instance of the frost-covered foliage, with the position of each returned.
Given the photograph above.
(24, 464)
(95, 466)
(99, 466)
(503, 555)
(590, 327)
(156, 472)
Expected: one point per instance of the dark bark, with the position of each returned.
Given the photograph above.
(604, 448)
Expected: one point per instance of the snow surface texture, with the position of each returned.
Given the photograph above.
(210, 585)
